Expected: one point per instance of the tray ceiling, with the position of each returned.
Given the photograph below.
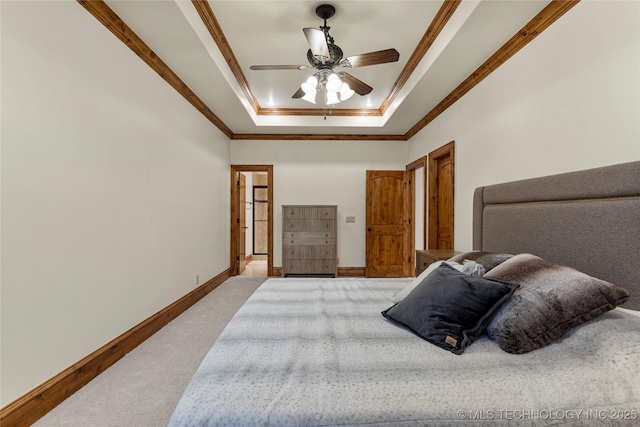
(204, 49)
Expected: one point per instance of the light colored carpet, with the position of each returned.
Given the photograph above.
(144, 387)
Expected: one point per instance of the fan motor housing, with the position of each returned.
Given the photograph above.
(336, 57)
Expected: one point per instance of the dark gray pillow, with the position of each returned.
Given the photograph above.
(450, 309)
(552, 299)
(488, 260)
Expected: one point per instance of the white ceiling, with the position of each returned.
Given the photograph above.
(270, 32)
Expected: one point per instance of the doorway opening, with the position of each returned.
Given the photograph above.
(251, 245)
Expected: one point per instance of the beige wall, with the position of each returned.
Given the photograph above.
(569, 101)
(323, 173)
(115, 192)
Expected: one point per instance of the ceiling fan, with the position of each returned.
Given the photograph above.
(324, 55)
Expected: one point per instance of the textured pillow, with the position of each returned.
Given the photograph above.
(450, 309)
(552, 299)
(468, 267)
(488, 260)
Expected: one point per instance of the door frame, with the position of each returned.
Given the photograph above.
(242, 225)
(411, 170)
(434, 156)
(234, 217)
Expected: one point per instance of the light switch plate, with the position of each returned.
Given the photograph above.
(351, 219)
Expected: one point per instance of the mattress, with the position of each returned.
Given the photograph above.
(317, 352)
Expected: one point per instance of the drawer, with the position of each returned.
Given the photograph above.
(309, 235)
(310, 266)
(309, 212)
(422, 262)
(302, 252)
(309, 242)
(309, 225)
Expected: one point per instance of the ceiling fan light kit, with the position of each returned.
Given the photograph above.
(324, 55)
(328, 83)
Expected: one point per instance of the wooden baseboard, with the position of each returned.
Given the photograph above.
(33, 405)
(342, 271)
(350, 271)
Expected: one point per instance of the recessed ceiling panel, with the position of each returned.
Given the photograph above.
(268, 33)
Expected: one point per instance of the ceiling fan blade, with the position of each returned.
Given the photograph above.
(357, 85)
(317, 42)
(298, 94)
(374, 58)
(279, 67)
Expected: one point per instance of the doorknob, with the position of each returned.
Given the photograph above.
(369, 229)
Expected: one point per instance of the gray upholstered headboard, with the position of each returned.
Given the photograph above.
(588, 220)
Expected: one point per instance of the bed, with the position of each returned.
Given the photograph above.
(319, 352)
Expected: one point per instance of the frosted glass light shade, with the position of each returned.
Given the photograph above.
(332, 98)
(333, 83)
(345, 92)
(310, 97)
(309, 87)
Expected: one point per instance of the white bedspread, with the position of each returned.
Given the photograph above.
(317, 352)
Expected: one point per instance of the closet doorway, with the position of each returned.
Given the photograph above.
(251, 220)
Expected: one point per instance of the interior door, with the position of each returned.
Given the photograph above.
(242, 235)
(387, 239)
(441, 197)
(444, 183)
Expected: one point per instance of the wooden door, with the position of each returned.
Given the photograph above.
(242, 235)
(387, 239)
(441, 198)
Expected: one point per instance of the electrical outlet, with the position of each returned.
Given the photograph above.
(351, 219)
(197, 279)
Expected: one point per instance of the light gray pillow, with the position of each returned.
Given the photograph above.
(488, 260)
(468, 267)
(551, 300)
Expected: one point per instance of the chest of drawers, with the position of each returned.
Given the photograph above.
(309, 240)
(428, 256)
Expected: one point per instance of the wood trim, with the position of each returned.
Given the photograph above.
(409, 203)
(547, 16)
(445, 150)
(437, 24)
(316, 137)
(33, 405)
(411, 210)
(210, 21)
(233, 247)
(319, 112)
(411, 169)
(277, 272)
(416, 164)
(350, 271)
(103, 13)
